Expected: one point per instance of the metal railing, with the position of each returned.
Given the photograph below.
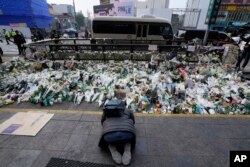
(103, 49)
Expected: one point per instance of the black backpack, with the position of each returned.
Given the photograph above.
(114, 108)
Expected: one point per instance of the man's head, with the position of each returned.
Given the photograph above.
(4, 30)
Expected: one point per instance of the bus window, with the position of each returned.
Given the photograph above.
(144, 30)
(124, 28)
(110, 27)
(139, 30)
(160, 29)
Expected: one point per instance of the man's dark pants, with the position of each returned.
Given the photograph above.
(245, 55)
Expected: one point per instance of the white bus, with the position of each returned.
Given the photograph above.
(132, 28)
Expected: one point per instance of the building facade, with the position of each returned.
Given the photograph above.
(196, 12)
(233, 13)
(60, 9)
(156, 4)
(158, 8)
(64, 17)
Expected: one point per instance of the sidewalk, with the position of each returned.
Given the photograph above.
(10, 49)
(161, 141)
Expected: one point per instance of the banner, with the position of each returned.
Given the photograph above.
(124, 8)
(16, 25)
(104, 10)
(115, 9)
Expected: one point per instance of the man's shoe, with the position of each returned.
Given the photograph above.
(126, 158)
(115, 154)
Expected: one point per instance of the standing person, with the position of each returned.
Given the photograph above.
(76, 34)
(40, 36)
(245, 54)
(86, 34)
(12, 33)
(7, 36)
(55, 35)
(19, 40)
(118, 131)
(1, 53)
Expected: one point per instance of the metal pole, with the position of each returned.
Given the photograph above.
(74, 10)
(153, 7)
(206, 35)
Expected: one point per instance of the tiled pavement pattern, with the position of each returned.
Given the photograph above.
(161, 141)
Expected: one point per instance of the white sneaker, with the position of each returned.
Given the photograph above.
(115, 154)
(126, 158)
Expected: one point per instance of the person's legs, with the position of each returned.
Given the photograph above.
(126, 158)
(241, 57)
(7, 40)
(247, 57)
(115, 154)
(19, 48)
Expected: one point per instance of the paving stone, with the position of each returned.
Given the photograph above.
(142, 161)
(91, 118)
(7, 156)
(25, 158)
(3, 138)
(188, 160)
(150, 161)
(139, 120)
(216, 161)
(96, 128)
(219, 146)
(83, 128)
(67, 117)
(228, 131)
(141, 147)
(153, 120)
(191, 146)
(44, 158)
(92, 144)
(6, 115)
(17, 142)
(103, 157)
(88, 107)
(169, 131)
(76, 155)
(140, 130)
(3, 120)
(55, 126)
(205, 120)
(58, 142)
(156, 130)
(158, 147)
(67, 126)
(239, 144)
(76, 142)
(188, 131)
(40, 141)
(51, 127)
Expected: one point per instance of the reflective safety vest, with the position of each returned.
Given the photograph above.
(6, 34)
(13, 33)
